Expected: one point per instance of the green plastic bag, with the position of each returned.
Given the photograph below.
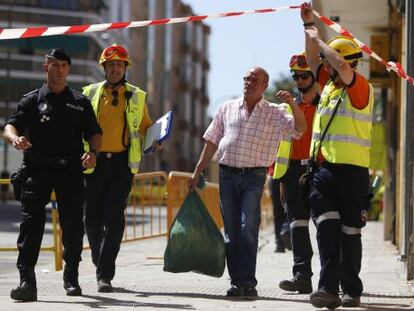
(195, 243)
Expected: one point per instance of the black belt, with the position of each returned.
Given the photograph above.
(302, 162)
(113, 155)
(241, 170)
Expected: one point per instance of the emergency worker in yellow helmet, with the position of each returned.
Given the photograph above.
(122, 114)
(339, 184)
(292, 158)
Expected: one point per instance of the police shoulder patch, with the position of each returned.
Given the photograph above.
(32, 92)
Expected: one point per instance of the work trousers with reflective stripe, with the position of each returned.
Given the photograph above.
(338, 195)
(298, 216)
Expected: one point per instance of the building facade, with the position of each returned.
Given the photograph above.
(169, 62)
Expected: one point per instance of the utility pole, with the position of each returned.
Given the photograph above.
(5, 172)
(409, 167)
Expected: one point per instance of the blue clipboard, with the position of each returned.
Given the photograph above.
(158, 132)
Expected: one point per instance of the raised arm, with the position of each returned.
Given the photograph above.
(314, 44)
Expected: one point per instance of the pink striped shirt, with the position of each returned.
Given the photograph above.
(249, 141)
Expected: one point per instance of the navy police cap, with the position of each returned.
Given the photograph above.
(58, 54)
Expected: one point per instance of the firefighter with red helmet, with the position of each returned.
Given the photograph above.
(292, 158)
(122, 113)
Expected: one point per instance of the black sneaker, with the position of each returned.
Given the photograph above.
(104, 286)
(280, 248)
(301, 285)
(322, 299)
(234, 291)
(72, 288)
(24, 292)
(349, 301)
(249, 292)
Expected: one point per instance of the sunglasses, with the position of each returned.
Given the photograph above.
(115, 50)
(250, 79)
(300, 60)
(115, 98)
(302, 76)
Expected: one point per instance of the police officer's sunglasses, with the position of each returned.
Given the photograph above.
(300, 60)
(115, 50)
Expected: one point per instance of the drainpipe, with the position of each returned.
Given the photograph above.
(408, 165)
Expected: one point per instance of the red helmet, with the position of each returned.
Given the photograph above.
(114, 52)
(298, 62)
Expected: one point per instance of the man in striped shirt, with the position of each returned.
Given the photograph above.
(246, 132)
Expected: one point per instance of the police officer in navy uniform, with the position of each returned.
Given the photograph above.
(49, 127)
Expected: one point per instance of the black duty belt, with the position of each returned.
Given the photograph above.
(241, 170)
(104, 155)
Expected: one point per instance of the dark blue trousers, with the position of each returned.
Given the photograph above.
(107, 190)
(338, 195)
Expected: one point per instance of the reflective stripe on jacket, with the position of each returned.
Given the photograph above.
(348, 140)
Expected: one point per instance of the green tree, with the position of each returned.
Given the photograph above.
(283, 82)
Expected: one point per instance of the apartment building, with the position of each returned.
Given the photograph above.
(174, 69)
(21, 59)
(169, 62)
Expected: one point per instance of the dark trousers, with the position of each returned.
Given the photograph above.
(298, 215)
(240, 195)
(69, 188)
(107, 190)
(279, 214)
(338, 195)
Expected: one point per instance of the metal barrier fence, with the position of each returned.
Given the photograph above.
(177, 189)
(56, 247)
(154, 201)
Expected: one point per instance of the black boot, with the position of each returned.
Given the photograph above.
(70, 281)
(27, 290)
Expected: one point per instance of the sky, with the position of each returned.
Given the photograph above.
(238, 43)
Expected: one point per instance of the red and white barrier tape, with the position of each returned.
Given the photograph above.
(390, 66)
(78, 29)
(65, 30)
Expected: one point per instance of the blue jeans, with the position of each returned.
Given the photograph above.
(240, 195)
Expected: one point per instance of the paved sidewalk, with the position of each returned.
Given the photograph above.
(141, 284)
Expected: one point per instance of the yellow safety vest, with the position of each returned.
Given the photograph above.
(348, 140)
(283, 156)
(134, 114)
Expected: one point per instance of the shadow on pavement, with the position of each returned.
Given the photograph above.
(385, 307)
(104, 301)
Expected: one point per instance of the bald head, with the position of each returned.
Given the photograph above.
(256, 81)
(260, 73)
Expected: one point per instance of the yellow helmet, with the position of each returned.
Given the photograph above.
(346, 47)
(298, 62)
(114, 52)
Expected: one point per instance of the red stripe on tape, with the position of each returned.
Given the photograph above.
(346, 33)
(265, 10)
(33, 32)
(77, 29)
(119, 25)
(234, 14)
(197, 18)
(326, 20)
(159, 21)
